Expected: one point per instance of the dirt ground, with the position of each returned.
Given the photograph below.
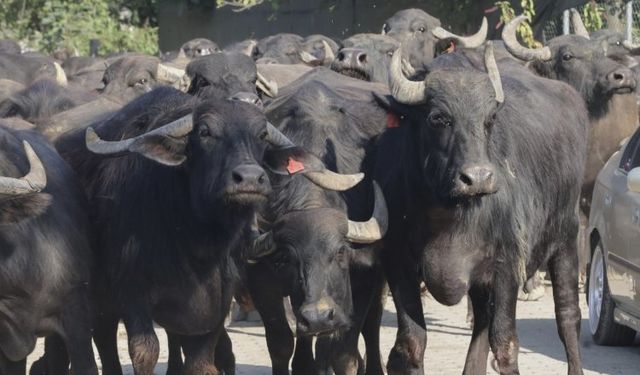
(448, 336)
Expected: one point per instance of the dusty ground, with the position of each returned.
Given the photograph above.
(448, 336)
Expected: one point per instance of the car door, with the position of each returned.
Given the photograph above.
(623, 263)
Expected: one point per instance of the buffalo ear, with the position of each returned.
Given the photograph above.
(291, 160)
(364, 257)
(444, 46)
(16, 208)
(161, 149)
(390, 105)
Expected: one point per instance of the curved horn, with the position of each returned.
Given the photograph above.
(169, 74)
(262, 246)
(494, 73)
(328, 52)
(61, 77)
(472, 41)
(276, 138)
(330, 180)
(176, 129)
(578, 25)
(516, 49)
(308, 58)
(628, 44)
(33, 182)
(404, 90)
(375, 228)
(270, 88)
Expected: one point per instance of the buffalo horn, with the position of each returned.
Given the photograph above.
(176, 129)
(404, 90)
(170, 74)
(270, 88)
(328, 52)
(518, 50)
(578, 25)
(61, 78)
(262, 246)
(494, 73)
(472, 41)
(33, 182)
(375, 228)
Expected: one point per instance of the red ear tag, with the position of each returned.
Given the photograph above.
(451, 48)
(294, 166)
(392, 121)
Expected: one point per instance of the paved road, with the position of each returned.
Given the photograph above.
(448, 336)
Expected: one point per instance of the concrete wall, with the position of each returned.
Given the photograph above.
(181, 20)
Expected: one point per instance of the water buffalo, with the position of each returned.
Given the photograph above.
(318, 50)
(280, 48)
(26, 69)
(45, 256)
(606, 86)
(311, 251)
(482, 191)
(199, 47)
(184, 184)
(413, 29)
(223, 76)
(41, 100)
(131, 76)
(366, 57)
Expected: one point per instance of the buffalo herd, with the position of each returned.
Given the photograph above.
(309, 178)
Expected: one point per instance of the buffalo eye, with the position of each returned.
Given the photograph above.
(567, 56)
(385, 28)
(422, 29)
(439, 121)
(142, 81)
(203, 131)
(618, 43)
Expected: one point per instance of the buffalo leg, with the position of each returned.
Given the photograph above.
(267, 298)
(371, 331)
(224, 359)
(144, 347)
(174, 364)
(476, 362)
(76, 324)
(407, 354)
(303, 362)
(105, 335)
(199, 357)
(8, 367)
(503, 337)
(55, 359)
(564, 277)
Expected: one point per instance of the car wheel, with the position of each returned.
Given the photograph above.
(604, 329)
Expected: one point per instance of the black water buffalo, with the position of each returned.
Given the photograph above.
(26, 69)
(413, 29)
(41, 100)
(223, 76)
(10, 46)
(281, 48)
(179, 196)
(482, 178)
(366, 57)
(311, 251)
(131, 76)
(606, 86)
(318, 50)
(45, 255)
(86, 71)
(199, 47)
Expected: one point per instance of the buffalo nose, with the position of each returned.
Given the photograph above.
(317, 317)
(251, 175)
(621, 78)
(352, 57)
(248, 97)
(475, 180)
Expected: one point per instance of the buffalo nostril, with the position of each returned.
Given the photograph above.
(262, 179)
(330, 314)
(362, 58)
(618, 76)
(465, 179)
(340, 56)
(237, 177)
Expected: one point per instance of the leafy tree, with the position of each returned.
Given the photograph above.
(51, 25)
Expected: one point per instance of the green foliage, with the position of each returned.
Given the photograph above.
(507, 13)
(592, 16)
(51, 25)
